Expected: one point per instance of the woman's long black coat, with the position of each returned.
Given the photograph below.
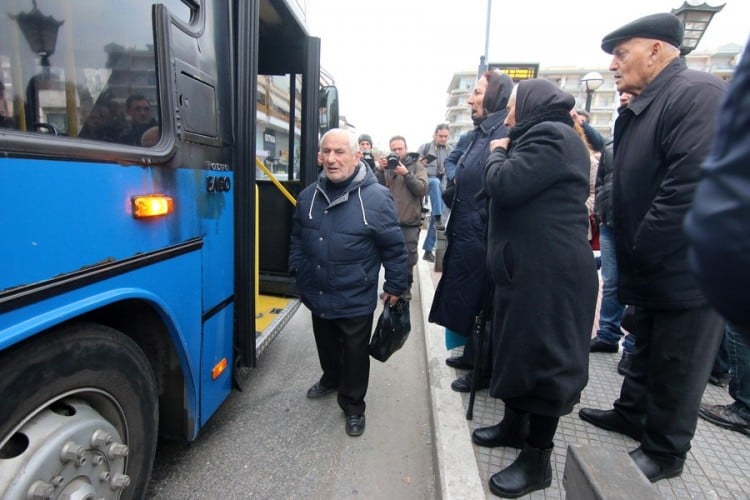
(458, 297)
(543, 269)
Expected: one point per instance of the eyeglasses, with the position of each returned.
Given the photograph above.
(142, 108)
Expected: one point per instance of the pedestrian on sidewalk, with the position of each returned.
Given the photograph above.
(433, 155)
(365, 149)
(735, 416)
(607, 338)
(406, 178)
(718, 223)
(537, 180)
(459, 293)
(343, 229)
(661, 139)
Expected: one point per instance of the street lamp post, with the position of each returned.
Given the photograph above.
(696, 18)
(591, 82)
(483, 58)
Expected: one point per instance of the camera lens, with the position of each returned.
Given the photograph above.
(393, 161)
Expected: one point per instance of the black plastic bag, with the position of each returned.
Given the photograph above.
(391, 330)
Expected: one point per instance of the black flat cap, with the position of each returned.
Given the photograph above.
(664, 26)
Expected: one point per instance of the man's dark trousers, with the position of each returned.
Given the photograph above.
(345, 359)
(674, 353)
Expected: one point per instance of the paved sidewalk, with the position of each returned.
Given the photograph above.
(718, 466)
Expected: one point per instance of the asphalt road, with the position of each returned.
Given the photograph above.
(270, 441)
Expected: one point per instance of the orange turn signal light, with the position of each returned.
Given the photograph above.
(219, 368)
(152, 205)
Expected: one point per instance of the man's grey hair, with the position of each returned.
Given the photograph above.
(671, 48)
(353, 144)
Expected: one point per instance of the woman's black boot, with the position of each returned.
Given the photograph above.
(511, 432)
(530, 472)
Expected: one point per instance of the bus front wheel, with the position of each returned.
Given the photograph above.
(79, 416)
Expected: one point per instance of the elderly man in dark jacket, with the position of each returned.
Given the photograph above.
(660, 142)
(344, 228)
(458, 297)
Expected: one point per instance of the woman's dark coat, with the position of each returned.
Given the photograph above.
(458, 297)
(539, 256)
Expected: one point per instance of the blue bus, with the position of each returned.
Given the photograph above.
(143, 252)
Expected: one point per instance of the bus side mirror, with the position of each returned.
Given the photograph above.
(328, 107)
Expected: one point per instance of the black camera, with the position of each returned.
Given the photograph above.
(393, 161)
(368, 158)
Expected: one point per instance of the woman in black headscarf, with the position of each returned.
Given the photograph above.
(545, 279)
(458, 297)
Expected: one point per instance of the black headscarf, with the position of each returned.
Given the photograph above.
(499, 87)
(538, 101)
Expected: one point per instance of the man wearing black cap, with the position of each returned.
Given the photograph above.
(365, 148)
(660, 141)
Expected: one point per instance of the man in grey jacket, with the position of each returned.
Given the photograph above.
(344, 227)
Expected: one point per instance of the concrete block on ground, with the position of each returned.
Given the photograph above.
(596, 473)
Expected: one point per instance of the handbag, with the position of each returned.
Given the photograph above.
(594, 233)
(391, 330)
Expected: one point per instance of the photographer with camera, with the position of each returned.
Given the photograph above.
(365, 149)
(433, 155)
(406, 178)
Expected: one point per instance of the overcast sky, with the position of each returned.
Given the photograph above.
(393, 60)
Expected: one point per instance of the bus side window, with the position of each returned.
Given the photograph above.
(91, 75)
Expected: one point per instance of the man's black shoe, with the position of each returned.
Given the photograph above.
(463, 384)
(609, 420)
(653, 469)
(719, 379)
(428, 256)
(601, 346)
(726, 416)
(623, 366)
(459, 363)
(318, 391)
(355, 425)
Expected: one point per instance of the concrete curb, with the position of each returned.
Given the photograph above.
(456, 462)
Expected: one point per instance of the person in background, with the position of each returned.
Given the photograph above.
(537, 180)
(6, 121)
(460, 293)
(594, 138)
(451, 162)
(451, 165)
(433, 155)
(611, 311)
(734, 416)
(344, 227)
(407, 182)
(718, 223)
(661, 140)
(365, 149)
(594, 161)
(138, 110)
